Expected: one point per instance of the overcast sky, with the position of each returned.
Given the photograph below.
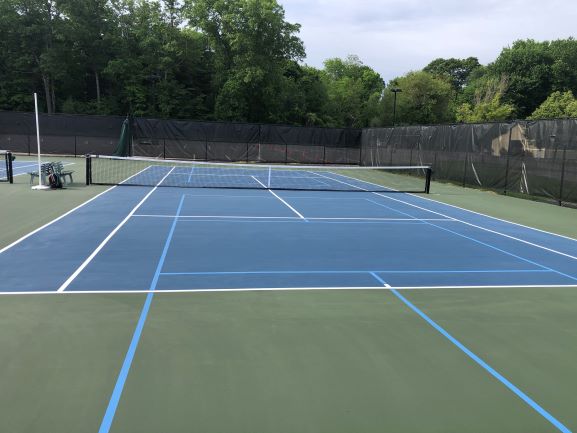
(397, 36)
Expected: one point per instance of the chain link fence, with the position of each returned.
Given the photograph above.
(529, 158)
(532, 158)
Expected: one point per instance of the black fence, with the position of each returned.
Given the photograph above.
(537, 158)
(173, 139)
(60, 134)
(216, 141)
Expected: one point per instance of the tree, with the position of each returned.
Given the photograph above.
(251, 46)
(457, 71)
(40, 51)
(354, 91)
(160, 69)
(425, 99)
(564, 68)
(558, 105)
(90, 32)
(487, 106)
(528, 66)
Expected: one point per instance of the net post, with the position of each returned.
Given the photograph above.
(10, 168)
(88, 169)
(428, 180)
(269, 175)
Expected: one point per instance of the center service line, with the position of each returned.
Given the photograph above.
(477, 359)
(117, 392)
(288, 205)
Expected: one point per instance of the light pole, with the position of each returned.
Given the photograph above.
(395, 90)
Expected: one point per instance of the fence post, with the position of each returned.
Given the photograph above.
(562, 175)
(465, 169)
(360, 149)
(508, 159)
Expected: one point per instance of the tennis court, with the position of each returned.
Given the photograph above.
(307, 308)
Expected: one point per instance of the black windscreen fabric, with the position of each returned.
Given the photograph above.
(273, 153)
(530, 158)
(185, 149)
(15, 142)
(219, 141)
(60, 133)
(570, 179)
(305, 154)
(303, 136)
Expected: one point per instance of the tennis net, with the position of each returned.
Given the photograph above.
(6, 174)
(109, 170)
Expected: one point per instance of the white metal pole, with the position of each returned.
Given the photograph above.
(40, 186)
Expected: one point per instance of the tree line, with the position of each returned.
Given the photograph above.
(241, 60)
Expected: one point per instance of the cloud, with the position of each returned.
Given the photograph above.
(396, 36)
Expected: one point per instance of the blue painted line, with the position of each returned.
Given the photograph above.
(118, 388)
(483, 364)
(500, 271)
(482, 243)
(379, 279)
(117, 392)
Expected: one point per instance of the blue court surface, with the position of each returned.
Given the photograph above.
(176, 239)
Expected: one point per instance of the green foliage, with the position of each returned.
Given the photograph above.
(558, 105)
(457, 71)
(487, 105)
(353, 91)
(424, 99)
(252, 46)
(528, 64)
(241, 60)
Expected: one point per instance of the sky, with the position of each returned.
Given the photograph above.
(397, 36)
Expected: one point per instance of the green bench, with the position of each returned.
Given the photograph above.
(52, 167)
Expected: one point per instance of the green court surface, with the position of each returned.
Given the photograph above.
(288, 361)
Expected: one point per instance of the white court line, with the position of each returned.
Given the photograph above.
(66, 214)
(495, 218)
(292, 218)
(485, 228)
(110, 235)
(459, 220)
(279, 289)
(54, 221)
(273, 193)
